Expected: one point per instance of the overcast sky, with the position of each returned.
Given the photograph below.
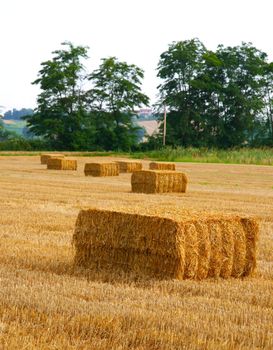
(135, 31)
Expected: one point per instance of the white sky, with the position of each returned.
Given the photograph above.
(135, 31)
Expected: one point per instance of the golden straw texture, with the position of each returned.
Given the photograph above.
(101, 169)
(161, 166)
(156, 181)
(178, 244)
(45, 157)
(129, 167)
(61, 164)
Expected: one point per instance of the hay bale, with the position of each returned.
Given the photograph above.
(129, 166)
(101, 169)
(61, 164)
(178, 244)
(44, 157)
(156, 181)
(161, 166)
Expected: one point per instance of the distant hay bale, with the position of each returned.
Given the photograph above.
(61, 164)
(156, 181)
(101, 169)
(44, 157)
(161, 166)
(129, 166)
(178, 244)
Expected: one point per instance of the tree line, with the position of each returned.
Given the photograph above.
(77, 110)
(221, 98)
(216, 99)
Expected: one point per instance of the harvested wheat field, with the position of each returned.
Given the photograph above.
(47, 302)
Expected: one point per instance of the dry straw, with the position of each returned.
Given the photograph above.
(61, 164)
(156, 181)
(161, 166)
(44, 157)
(176, 245)
(129, 166)
(101, 169)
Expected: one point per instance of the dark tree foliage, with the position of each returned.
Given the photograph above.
(213, 99)
(72, 117)
(178, 67)
(115, 94)
(220, 99)
(268, 103)
(61, 115)
(241, 96)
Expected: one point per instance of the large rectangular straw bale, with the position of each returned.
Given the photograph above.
(161, 166)
(45, 157)
(61, 164)
(129, 166)
(156, 181)
(101, 169)
(178, 244)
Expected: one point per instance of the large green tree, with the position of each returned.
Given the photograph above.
(215, 98)
(268, 102)
(115, 94)
(241, 93)
(179, 67)
(61, 114)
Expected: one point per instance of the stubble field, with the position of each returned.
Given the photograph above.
(47, 303)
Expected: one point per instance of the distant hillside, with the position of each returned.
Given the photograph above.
(15, 125)
(16, 114)
(151, 126)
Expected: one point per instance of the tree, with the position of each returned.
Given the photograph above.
(241, 94)
(61, 115)
(115, 94)
(268, 101)
(179, 67)
(215, 98)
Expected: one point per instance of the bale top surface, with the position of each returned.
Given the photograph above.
(160, 172)
(101, 162)
(92, 165)
(173, 213)
(128, 162)
(163, 163)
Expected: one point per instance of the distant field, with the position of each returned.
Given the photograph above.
(256, 156)
(15, 125)
(9, 122)
(151, 126)
(46, 303)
